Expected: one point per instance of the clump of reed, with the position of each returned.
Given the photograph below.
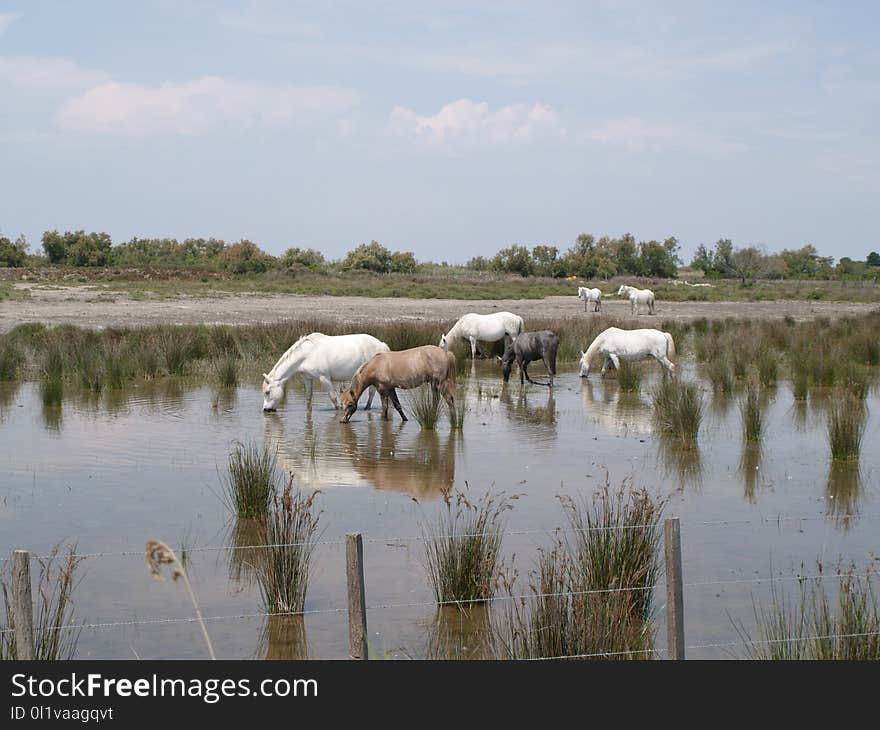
(53, 606)
(52, 377)
(425, 403)
(11, 359)
(800, 374)
(720, 375)
(767, 364)
(629, 378)
(458, 412)
(250, 481)
(177, 346)
(462, 548)
(856, 379)
(158, 554)
(752, 410)
(290, 536)
(678, 410)
(226, 370)
(816, 623)
(591, 594)
(846, 425)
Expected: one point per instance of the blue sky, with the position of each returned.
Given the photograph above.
(450, 129)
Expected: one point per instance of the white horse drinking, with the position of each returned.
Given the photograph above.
(590, 295)
(615, 344)
(317, 356)
(483, 328)
(637, 298)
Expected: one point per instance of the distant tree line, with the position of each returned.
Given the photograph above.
(588, 258)
(725, 261)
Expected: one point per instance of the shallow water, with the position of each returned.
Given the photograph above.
(111, 472)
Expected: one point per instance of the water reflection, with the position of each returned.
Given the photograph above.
(460, 633)
(52, 414)
(382, 454)
(244, 560)
(842, 492)
(750, 469)
(528, 405)
(682, 463)
(283, 637)
(615, 411)
(8, 393)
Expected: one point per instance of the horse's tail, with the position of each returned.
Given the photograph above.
(670, 344)
(519, 326)
(450, 370)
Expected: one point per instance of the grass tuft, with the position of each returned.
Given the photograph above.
(462, 549)
(846, 425)
(678, 409)
(251, 480)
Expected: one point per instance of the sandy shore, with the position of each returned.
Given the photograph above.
(96, 307)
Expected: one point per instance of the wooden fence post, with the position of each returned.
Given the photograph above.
(357, 605)
(674, 597)
(22, 605)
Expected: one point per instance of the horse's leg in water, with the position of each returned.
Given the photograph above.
(666, 363)
(331, 389)
(309, 384)
(549, 357)
(473, 348)
(447, 394)
(651, 304)
(370, 398)
(605, 364)
(615, 360)
(396, 401)
(523, 365)
(383, 396)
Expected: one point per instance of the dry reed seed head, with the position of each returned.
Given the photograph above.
(158, 554)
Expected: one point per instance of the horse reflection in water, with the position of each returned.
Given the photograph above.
(529, 408)
(375, 453)
(627, 414)
(614, 411)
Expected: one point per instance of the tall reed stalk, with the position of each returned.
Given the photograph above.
(250, 481)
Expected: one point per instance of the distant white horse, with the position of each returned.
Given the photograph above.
(615, 344)
(638, 297)
(483, 328)
(590, 295)
(317, 356)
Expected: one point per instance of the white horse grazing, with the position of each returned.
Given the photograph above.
(616, 344)
(590, 295)
(323, 358)
(638, 297)
(483, 328)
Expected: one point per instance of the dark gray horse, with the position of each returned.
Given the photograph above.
(529, 346)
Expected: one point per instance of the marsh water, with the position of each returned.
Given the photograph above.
(109, 472)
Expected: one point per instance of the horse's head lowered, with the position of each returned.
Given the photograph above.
(348, 404)
(273, 392)
(444, 343)
(585, 365)
(507, 361)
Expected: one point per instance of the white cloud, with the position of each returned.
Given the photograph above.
(472, 122)
(34, 72)
(636, 134)
(195, 106)
(7, 19)
(267, 21)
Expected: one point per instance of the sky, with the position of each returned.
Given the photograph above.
(450, 129)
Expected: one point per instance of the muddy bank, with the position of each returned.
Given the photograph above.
(97, 307)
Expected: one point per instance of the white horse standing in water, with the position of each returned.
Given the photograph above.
(320, 357)
(637, 298)
(616, 344)
(483, 328)
(590, 295)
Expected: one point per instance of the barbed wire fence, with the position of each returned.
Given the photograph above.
(24, 632)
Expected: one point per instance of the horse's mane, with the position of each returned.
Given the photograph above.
(292, 349)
